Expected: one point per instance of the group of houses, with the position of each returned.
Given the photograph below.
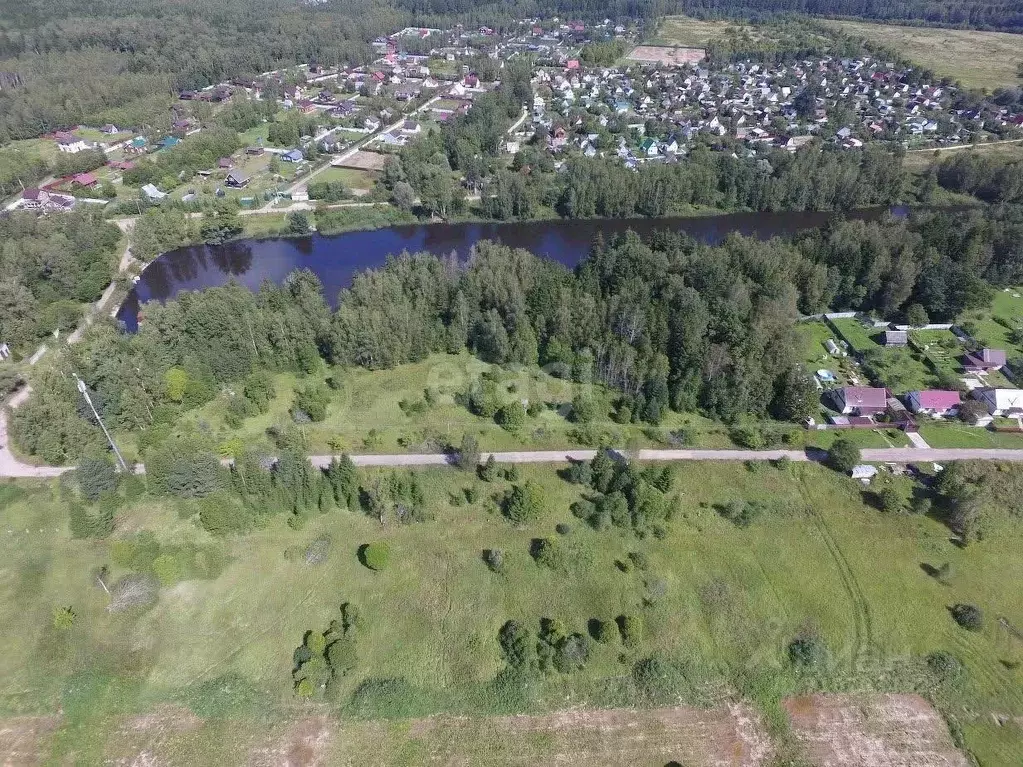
(847, 102)
(859, 405)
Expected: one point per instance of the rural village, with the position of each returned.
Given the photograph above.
(649, 106)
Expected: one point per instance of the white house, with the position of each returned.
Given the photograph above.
(1001, 402)
(71, 144)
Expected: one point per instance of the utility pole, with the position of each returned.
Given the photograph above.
(85, 393)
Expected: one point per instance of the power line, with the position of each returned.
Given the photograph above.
(85, 393)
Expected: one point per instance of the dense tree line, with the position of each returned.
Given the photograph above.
(122, 62)
(49, 266)
(983, 176)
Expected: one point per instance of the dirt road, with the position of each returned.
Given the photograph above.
(11, 467)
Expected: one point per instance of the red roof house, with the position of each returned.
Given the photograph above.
(85, 179)
(934, 402)
(861, 400)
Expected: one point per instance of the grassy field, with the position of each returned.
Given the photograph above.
(352, 178)
(955, 434)
(859, 336)
(977, 59)
(722, 600)
(366, 415)
(992, 326)
(917, 161)
(695, 33)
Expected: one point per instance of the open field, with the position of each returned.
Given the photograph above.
(721, 601)
(692, 33)
(665, 55)
(976, 59)
(363, 160)
(917, 161)
(994, 326)
(350, 177)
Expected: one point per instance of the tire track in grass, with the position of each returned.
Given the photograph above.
(986, 672)
(863, 638)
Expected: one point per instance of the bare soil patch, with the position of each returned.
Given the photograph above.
(306, 743)
(872, 731)
(22, 739)
(831, 731)
(363, 160)
(666, 55)
(727, 735)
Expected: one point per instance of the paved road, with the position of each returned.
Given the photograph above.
(871, 455)
(11, 467)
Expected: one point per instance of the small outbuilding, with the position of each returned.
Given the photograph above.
(896, 338)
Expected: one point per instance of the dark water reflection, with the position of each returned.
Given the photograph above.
(337, 258)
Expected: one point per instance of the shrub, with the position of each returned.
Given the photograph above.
(549, 553)
(63, 618)
(572, 653)
(259, 390)
(342, 655)
(584, 408)
(184, 467)
(511, 416)
(605, 632)
(659, 679)
(749, 437)
(945, 666)
(222, 514)
(523, 503)
(494, 559)
(843, 456)
(892, 500)
(516, 647)
(167, 569)
(639, 559)
(807, 652)
(562, 528)
(375, 556)
(96, 475)
(741, 513)
(631, 629)
(312, 399)
(968, 616)
(468, 456)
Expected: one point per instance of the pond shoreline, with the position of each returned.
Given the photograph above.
(337, 258)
